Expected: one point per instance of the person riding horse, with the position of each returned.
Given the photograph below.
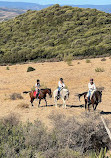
(92, 89)
(61, 85)
(92, 97)
(37, 88)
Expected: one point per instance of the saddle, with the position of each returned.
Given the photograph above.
(35, 94)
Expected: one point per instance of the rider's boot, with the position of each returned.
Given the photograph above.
(88, 100)
(58, 95)
(37, 95)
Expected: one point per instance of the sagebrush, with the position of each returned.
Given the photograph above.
(69, 138)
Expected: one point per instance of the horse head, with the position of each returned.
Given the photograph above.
(100, 96)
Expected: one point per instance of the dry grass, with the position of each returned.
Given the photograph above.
(76, 77)
(23, 106)
(16, 96)
(12, 119)
(98, 69)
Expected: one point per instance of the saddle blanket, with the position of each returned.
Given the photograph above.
(35, 94)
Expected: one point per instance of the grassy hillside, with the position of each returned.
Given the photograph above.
(6, 13)
(55, 32)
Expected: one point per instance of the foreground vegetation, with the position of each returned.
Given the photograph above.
(55, 32)
(69, 138)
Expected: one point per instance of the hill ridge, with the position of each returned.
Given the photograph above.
(55, 32)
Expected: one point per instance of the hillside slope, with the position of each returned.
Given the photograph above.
(55, 32)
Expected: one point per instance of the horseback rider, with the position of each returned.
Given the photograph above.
(92, 89)
(61, 85)
(37, 88)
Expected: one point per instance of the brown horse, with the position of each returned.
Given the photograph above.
(42, 95)
(96, 98)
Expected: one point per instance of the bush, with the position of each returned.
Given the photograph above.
(103, 59)
(33, 88)
(99, 69)
(11, 120)
(23, 105)
(70, 138)
(30, 69)
(90, 134)
(102, 154)
(68, 59)
(59, 30)
(88, 61)
(15, 96)
(7, 68)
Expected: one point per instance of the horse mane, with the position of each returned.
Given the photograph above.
(45, 89)
(100, 92)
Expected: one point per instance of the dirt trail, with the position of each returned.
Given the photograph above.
(76, 77)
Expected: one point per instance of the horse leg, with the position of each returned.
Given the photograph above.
(39, 103)
(32, 101)
(85, 104)
(88, 107)
(96, 106)
(55, 101)
(93, 106)
(46, 101)
(64, 103)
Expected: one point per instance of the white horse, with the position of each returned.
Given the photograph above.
(64, 95)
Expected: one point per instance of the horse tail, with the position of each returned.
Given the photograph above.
(80, 95)
(25, 92)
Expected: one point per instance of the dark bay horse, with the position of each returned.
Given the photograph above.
(42, 95)
(96, 98)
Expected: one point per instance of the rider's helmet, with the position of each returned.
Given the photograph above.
(38, 80)
(91, 80)
(61, 79)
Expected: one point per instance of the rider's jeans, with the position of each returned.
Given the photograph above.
(89, 95)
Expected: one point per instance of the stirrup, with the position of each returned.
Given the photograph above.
(58, 97)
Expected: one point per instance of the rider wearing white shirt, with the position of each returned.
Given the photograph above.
(37, 88)
(61, 85)
(92, 89)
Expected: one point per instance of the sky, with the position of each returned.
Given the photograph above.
(64, 2)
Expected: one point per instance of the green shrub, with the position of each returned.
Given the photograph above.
(23, 106)
(33, 88)
(102, 154)
(7, 68)
(69, 138)
(98, 69)
(52, 32)
(103, 59)
(68, 59)
(16, 96)
(30, 69)
(88, 61)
